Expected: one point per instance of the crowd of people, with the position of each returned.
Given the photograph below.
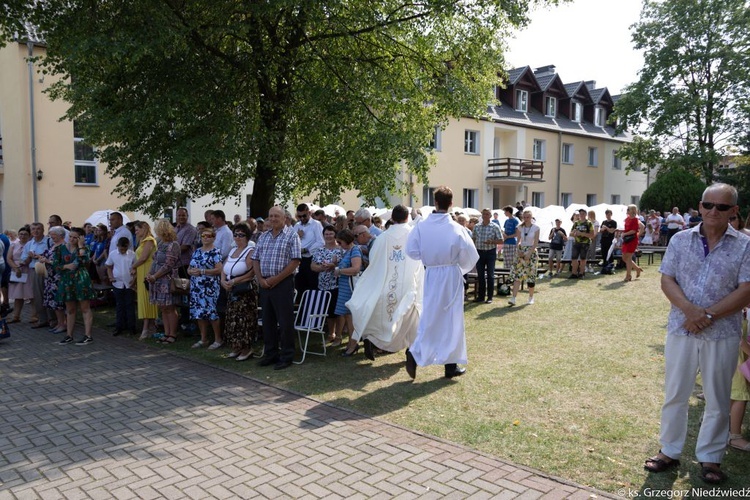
(393, 286)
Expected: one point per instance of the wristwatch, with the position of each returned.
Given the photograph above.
(709, 316)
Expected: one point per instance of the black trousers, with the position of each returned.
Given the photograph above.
(277, 305)
(124, 309)
(306, 278)
(486, 273)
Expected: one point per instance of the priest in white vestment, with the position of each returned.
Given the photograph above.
(387, 300)
(447, 252)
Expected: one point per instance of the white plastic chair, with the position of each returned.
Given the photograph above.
(311, 319)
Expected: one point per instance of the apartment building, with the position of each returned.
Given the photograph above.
(542, 141)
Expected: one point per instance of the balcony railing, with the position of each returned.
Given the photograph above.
(499, 168)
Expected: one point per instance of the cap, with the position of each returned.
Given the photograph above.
(558, 220)
(259, 219)
(582, 210)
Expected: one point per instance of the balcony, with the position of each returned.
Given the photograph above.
(515, 169)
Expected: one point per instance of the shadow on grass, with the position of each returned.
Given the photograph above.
(378, 402)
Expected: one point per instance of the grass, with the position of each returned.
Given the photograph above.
(572, 385)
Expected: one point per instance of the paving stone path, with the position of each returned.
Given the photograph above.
(120, 419)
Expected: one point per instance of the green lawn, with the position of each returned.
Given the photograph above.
(571, 385)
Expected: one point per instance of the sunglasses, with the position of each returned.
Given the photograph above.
(721, 207)
(240, 235)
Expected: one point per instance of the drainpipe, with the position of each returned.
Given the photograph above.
(30, 45)
(559, 165)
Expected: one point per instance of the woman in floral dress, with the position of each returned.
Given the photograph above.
(204, 272)
(57, 235)
(74, 286)
(238, 280)
(324, 261)
(163, 269)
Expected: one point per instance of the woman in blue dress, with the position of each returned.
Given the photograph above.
(349, 265)
(204, 272)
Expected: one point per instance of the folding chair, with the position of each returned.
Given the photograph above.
(311, 319)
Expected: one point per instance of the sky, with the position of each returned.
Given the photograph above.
(584, 39)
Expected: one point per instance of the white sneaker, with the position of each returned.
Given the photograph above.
(512, 301)
(198, 345)
(531, 301)
(215, 345)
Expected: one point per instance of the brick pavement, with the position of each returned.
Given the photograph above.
(120, 419)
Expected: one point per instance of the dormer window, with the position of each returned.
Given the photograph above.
(600, 116)
(577, 112)
(522, 101)
(550, 106)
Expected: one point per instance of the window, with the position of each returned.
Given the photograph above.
(471, 197)
(635, 200)
(550, 106)
(591, 200)
(538, 150)
(593, 157)
(437, 139)
(616, 162)
(427, 195)
(600, 116)
(84, 161)
(522, 100)
(567, 153)
(566, 199)
(615, 199)
(577, 112)
(471, 142)
(537, 199)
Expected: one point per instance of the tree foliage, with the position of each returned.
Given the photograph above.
(676, 188)
(186, 98)
(694, 84)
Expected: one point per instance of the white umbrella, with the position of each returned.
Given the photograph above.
(331, 210)
(102, 217)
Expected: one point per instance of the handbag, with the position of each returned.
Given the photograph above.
(14, 278)
(242, 288)
(179, 286)
(4, 329)
(628, 238)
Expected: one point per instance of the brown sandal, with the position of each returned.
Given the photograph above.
(169, 339)
(656, 464)
(14, 320)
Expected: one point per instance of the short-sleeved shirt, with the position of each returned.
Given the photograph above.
(528, 235)
(706, 279)
(583, 226)
(509, 228)
(483, 233)
(186, 235)
(276, 252)
(606, 235)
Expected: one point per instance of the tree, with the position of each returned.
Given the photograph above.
(676, 188)
(693, 83)
(188, 98)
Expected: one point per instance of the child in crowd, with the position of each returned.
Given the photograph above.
(118, 269)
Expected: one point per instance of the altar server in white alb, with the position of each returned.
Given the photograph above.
(447, 252)
(387, 300)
